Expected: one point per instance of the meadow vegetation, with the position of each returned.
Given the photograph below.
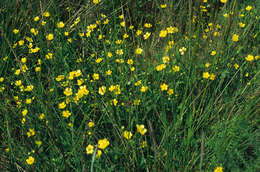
(129, 85)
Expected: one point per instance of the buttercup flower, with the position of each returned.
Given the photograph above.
(164, 87)
(218, 169)
(89, 149)
(138, 51)
(15, 31)
(163, 33)
(235, 38)
(66, 113)
(102, 144)
(30, 160)
(206, 75)
(60, 24)
(141, 129)
(96, 1)
(49, 37)
(127, 134)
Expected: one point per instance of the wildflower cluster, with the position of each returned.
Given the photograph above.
(71, 80)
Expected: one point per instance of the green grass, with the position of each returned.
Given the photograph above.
(200, 111)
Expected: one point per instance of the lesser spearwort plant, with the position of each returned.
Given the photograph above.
(129, 85)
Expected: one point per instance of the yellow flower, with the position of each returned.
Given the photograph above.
(118, 41)
(242, 25)
(17, 72)
(60, 24)
(28, 101)
(163, 33)
(62, 105)
(102, 90)
(130, 61)
(160, 67)
(18, 83)
(96, 1)
(1, 79)
(137, 101)
(206, 75)
(29, 88)
(69, 40)
(106, 21)
(99, 153)
(119, 52)
(148, 25)
(59, 78)
(138, 32)
(121, 16)
(24, 112)
(112, 88)
(138, 83)
(114, 102)
(68, 91)
(144, 144)
(21, 42)
(48, 56)
(213, 53)
(66, 33)
(66, 113)
(141, 129)
(49, 37)
(109, 54)
(95, 76)
(38, 142)
(23, 120)
(147, 35)
(138, 51)
(223, 1)
(30, 160)
(225, 15)
(218, 169)
(176, 68)
(23, 60)
(249, 57)
(99, 60)
(166, 59)
(207, 65)
(235, 38)
(127, 134)
(122, 23)
(170, 91)
(120, 60)
(163, 5)
(236, 66)
(249, 7)
(144, 89)
(37, 18)
(108, 72)
(212, 76)
(42, 116)
(182, 50)
(164, 87)
(91, 124)
(172, 29)
(15, 31)
(46, 14)
(102, 144)
(89, 149)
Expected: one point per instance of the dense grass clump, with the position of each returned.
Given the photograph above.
(148, 85)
